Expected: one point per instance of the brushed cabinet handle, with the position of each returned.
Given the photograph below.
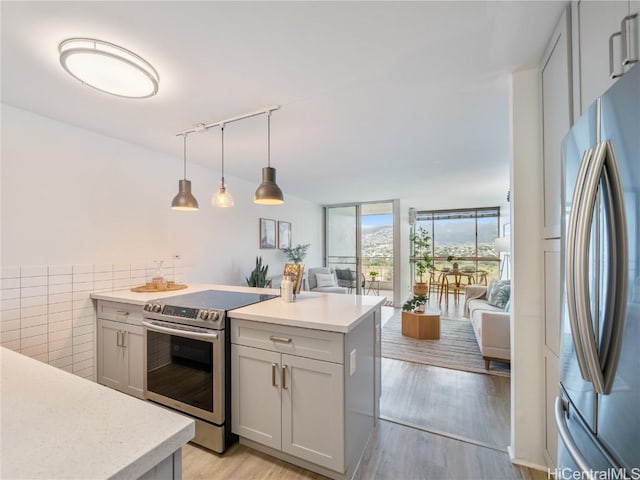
(284, 377)
(118, 342)
(612, 69)
(124, 338)
(273, 374)
(122, 312)
(275, 338)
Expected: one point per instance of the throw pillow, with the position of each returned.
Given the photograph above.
(325, 280)
(499, 294)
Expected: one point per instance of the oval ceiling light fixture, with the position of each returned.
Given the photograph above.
(108, 67)
(268, 192)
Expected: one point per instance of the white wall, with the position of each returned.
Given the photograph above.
(73, 196)
(527, 332)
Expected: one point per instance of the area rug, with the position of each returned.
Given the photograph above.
(456, 349)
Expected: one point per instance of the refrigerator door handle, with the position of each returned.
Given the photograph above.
(612, 69)
(583, 298)
(570, 262)
(567, 438)
(616, 304)
(629, 30)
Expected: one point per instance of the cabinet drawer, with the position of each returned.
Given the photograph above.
(120, 312)
(302, 342)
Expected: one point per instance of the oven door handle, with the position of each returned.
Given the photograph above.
(182, 333)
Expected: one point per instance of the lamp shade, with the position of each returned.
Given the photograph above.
(268, 192)
(184, 200)
(223, 198)
(503, 244)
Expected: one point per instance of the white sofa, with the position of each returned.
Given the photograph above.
(313, 284)
(491, 325)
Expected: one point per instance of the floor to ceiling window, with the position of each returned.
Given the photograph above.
(362, 237)
(466, 237)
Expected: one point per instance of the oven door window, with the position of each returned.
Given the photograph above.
(181, 369)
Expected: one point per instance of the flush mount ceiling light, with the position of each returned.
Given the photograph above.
(108, 67)
(184, 200)
(223, 198)
(268, 192)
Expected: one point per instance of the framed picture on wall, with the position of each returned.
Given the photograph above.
(284, 235)
(267, 233)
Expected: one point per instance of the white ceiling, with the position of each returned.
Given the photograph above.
(379, 100)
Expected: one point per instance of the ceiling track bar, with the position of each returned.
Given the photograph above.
(201, 127)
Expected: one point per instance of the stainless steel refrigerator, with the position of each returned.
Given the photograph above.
(598, 409)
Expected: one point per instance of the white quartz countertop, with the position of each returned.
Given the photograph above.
(56, 425)
(321, 311)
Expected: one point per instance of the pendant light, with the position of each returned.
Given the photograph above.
(268, 193)
(184, 200)
(223, 198)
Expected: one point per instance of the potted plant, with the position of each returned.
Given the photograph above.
(296, 254)
(258, 277)
(420, 248)
(373, 275)
(452, 258)
(415, 304)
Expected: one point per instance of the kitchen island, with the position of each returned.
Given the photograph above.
(304, 376)
(56, 425)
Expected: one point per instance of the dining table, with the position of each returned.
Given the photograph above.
(455, 281)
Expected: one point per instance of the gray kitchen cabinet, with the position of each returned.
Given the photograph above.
(593, 23)
(120, 347)
(304, 395)
(556, 119)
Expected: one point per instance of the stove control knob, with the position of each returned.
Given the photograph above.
(156, 307)
(213, 315)
(203, 314)
(147, 307)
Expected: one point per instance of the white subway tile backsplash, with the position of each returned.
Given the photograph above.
(33, 281)
(10, 304)
(83, 347)
(11, 336)
(87, 337)
(7, 283)
(42, 357)
(84, 312)
(34, 271)
(82, 268)
(122, 267)
(60, 270)
(99, 276)
(103, 267)
(82, 365)
(29, 322)
(60, 297)
(39, 340)
(58, 289)
(64, 363)
(7, 315)
(83, 287)
(12, 345)
(62, 353)
(10, 325)
(39, 331)
(82, 278)
(60, 316)
(60, 307)
(66, 342)
(86, 320)
(34, 301)
(9, 294)
(60, 330)
(10, 272)
(33, 291)
(121, 283)
(83, 356)
(103, 285)
(32, 350)
(87, 373)
(83, 329)
(60, 279)
(33, 311)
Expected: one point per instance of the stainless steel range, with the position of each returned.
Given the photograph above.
(187, 359)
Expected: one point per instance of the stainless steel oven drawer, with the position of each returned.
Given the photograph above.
(120, 312)
(317, 344)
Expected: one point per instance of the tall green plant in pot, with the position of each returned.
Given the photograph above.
(258, 277)
(420, 249)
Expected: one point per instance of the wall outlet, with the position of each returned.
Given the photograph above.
(352, 362)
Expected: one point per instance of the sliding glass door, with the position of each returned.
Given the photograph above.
(363, 238)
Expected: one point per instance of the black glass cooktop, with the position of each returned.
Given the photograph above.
(216, 299)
